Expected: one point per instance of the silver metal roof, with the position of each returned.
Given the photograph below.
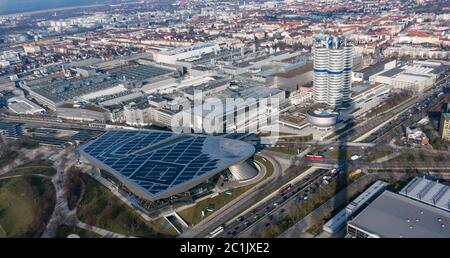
(393, 215)
(428, 191)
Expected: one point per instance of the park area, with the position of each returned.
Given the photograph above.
(26, 205)
(99, 207)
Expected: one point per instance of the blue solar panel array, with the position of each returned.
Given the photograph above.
(145, 161)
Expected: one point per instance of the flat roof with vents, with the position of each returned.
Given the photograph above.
(394, 215)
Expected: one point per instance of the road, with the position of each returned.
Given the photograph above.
(230, 210)
(266, 212)
(62, 161)
(342, 198)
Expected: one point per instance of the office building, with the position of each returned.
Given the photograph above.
(333, 63)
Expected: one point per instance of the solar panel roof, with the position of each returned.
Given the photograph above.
(158, 164)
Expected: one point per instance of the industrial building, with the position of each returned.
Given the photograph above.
(263, 64)
(251, 106)
(83, 114)
(365, 73)
(292, 79)
(158, 164)
(54, 92)
(338, 222)
(195, 51)
(394, 215)
(57, 91)
(417, 77)
(428, 191)
(333, 62)
(22, 106)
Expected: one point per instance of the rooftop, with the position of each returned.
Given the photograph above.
(392, 72)
(63, 90)
(428, 191)
(157, 164)
(140, 72)
(393, 215)
(375, 66)
(294, 72)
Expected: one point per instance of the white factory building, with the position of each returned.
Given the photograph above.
(23, 106)
(181, 53)
(234, 117)
(411, 76)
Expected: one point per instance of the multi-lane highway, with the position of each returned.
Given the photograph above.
(267, 210)
(260, 191)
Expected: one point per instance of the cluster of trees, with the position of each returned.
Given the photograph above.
(73, 186)
(3, 146)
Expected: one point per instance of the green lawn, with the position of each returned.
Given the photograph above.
(26, 205)
(99, 207)
(41, 167)
(193, 215)
(64, 230)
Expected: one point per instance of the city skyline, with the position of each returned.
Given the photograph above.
(242, 121)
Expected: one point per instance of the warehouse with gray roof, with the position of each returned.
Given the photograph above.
(394, 215)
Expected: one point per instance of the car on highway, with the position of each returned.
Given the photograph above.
(285, 189)
(354, 157)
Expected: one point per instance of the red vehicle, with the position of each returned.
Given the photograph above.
(314, 157)
(285, 189)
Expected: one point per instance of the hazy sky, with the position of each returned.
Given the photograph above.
(12, 6)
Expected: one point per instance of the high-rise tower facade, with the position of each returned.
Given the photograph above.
(333, 61)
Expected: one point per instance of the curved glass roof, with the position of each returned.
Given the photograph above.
(157, 162)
